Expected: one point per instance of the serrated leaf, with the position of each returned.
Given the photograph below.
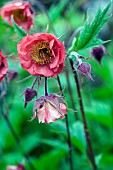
(88, 34)
(95, 42)
(21, 33)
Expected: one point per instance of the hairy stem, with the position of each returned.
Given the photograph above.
(87, 135)
(46, 87)
(35, 81)
(68, 131)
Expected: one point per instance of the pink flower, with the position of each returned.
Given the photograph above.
(17, 167)
(49, 108)
(23, 14)
(3, 66)
(42, 54)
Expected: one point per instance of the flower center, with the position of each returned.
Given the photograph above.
(19, 15)
(41, 53)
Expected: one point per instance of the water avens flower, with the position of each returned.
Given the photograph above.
(98, 53)
(42, 54)
(21, 11)
(49, 108)
(3, 66)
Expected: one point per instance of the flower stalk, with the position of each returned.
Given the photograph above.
(35, 81)
(68, 131)
(86, 131)
(46, 88)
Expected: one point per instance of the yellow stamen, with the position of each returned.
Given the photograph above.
(41, 53)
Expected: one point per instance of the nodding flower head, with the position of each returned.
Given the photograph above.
(49, 108)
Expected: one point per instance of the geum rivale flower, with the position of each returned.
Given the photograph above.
(21, 11)
(49, 108)
(3, 66)
(42, 54)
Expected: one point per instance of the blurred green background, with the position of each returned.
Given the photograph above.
(46, 144)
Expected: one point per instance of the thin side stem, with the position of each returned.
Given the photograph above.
(46, 87)
(36, 79)
(87, 135)
(68, 131)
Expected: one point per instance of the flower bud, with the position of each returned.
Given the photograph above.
(85, 69)
(98, 53)
(29, 94)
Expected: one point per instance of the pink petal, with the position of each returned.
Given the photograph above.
(51, 43)
(26, 64)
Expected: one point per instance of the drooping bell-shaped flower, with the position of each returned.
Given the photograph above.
(49, 108)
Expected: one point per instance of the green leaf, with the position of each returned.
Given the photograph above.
(33, 138)
(21, 33)
(54, 143)
(50, 160)
(100, 112)
(76, 131)
(96, 42)
(89, 32)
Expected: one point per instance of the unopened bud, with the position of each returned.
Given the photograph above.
(98, 53)
(29, 95)
(85, 69)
